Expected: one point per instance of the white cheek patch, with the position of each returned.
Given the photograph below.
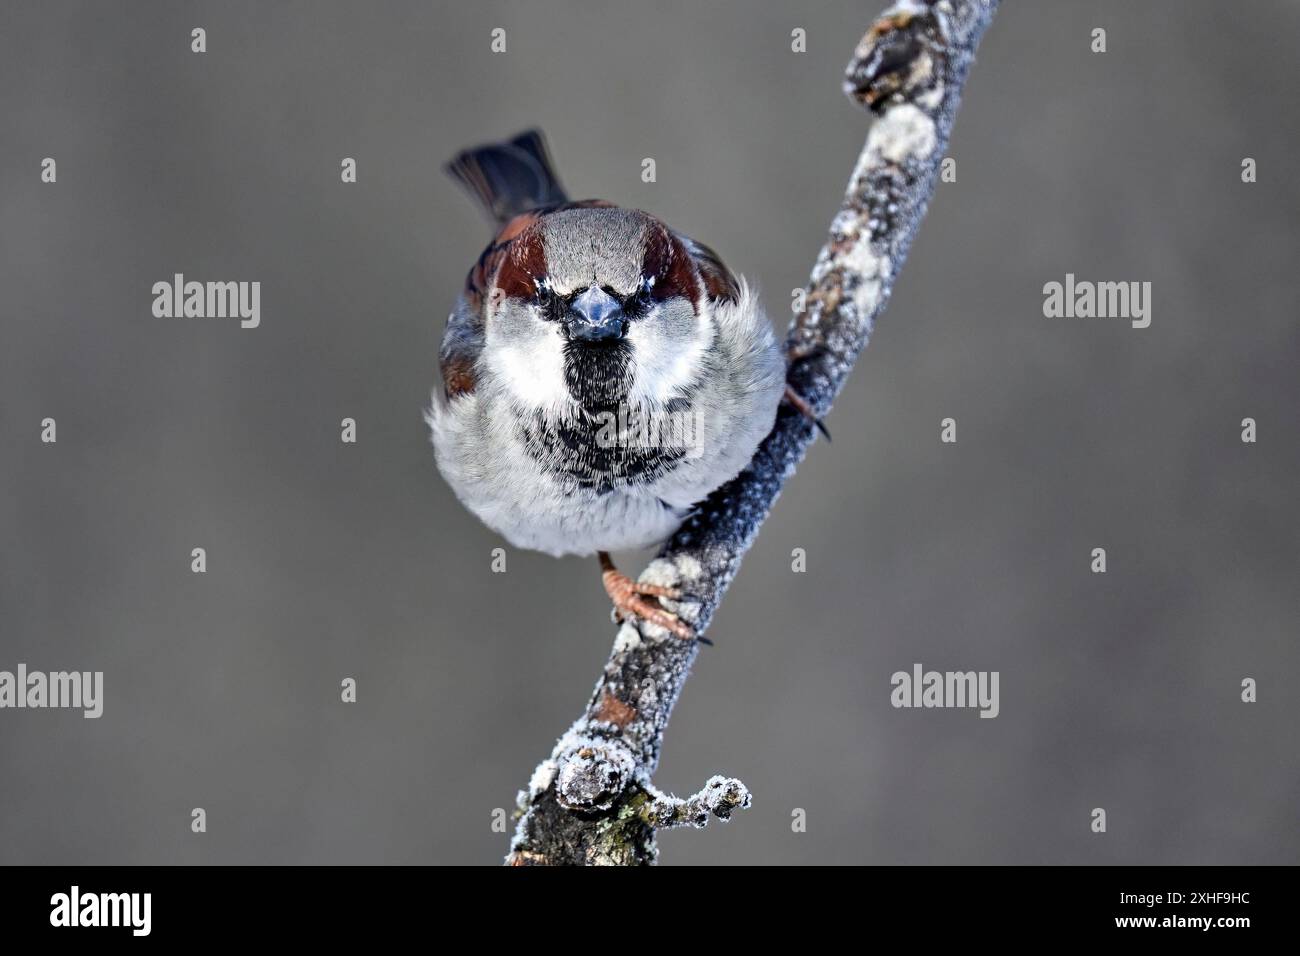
(529, 363)
(664, 363)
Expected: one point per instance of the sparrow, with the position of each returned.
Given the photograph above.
(601, 373)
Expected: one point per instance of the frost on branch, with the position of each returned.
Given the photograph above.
(720, 797)
(592, 801)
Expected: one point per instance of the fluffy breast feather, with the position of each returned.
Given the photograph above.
(481, 449)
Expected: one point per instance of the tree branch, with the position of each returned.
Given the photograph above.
(592, 801)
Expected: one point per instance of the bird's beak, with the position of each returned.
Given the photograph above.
(595, 316)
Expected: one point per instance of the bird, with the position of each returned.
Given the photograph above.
(601, 373)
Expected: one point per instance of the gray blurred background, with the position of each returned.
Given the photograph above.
(328, 560)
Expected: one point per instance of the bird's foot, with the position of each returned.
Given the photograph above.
(638, 600)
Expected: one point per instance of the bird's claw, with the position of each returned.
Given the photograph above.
(800, 404)
(640, 600)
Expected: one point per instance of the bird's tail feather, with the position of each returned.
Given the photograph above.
(509, 178)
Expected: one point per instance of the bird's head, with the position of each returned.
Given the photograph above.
(596, 306)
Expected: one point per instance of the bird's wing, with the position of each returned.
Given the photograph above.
(719, 281)
(461, 345)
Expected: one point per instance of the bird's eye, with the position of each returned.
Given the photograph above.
(638, 302)
(549, 302)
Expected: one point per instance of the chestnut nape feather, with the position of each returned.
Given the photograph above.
(523, 264)
(668, 263)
